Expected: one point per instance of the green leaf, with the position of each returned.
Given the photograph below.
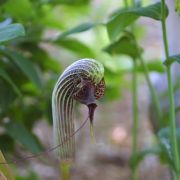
(125, 45)
(164, 136)
(165, 142)
(166, 146)
(41, 57)
(7, 95)
(18, 132)
(117, 24)
(80, 28)
(76, 46)
(177, 6)
(24, 64)
(10, 32)
(23, 11)
(8, 79)
(172, 59)
(124, 18)
(155, 65)
(5, 169)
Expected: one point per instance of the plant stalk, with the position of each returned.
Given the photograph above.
(135, 121)
(135, 114)
(65, 167)
(173, 124)
(171, 97)
(163, 23)
(152, 90)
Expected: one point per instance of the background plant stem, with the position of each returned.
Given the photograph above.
(171, 97)
(152, 90)
(135, 121)
(135, 114)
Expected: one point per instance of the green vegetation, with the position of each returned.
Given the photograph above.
(38, 38)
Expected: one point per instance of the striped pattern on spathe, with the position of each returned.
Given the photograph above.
(63, 103)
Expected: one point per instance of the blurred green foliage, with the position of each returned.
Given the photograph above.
(29, 69)
(38, 38)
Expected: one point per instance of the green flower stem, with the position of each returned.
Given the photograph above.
(163, 22)
(135, 114)
(65, 170)
(152, 90)
(135, 121)
(171, 97)
(173, 124)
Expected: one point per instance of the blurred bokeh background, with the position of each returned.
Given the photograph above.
(34, 62)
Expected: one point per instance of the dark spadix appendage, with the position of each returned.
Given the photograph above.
(82, 81)
(88, 93)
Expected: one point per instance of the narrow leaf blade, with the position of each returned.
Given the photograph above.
(172, 59)
(11, 31)
(8, 79)
(124, 18)
(7, 95)
(117, 24)
(80, 28)
(152, 11)
(24, 64)
(154, 65)
(23, 136)
(165, 142)
(76, 46)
